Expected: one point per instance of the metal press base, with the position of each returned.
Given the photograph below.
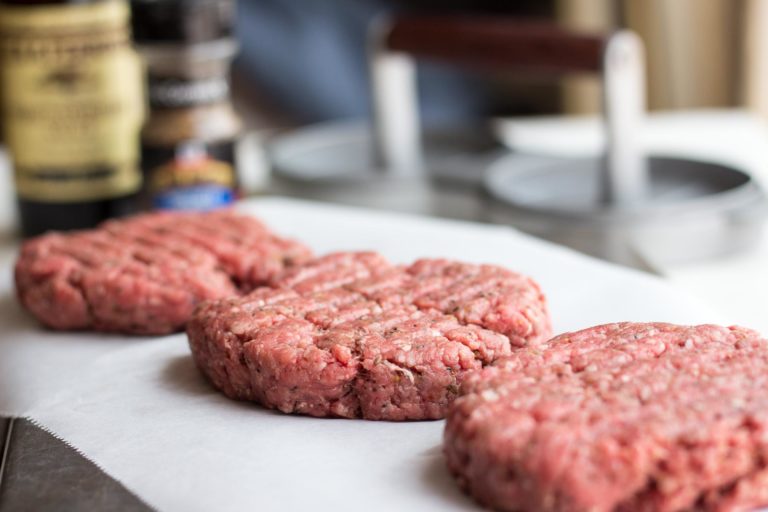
(693, 210)
(335, 162)
(344, 153)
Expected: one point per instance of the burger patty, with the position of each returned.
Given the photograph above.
(350, 335)
(618, 417)
(145, 274)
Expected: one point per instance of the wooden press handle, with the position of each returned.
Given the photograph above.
(511, 44)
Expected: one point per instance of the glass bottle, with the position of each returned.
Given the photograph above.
(72, 108)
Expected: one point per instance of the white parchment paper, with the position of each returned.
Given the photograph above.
(36, 363)
(139, 409)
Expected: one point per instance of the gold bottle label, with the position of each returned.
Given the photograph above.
(71, 100)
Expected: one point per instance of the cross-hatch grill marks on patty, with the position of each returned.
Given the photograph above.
(350, 335)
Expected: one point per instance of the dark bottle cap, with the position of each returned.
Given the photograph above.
(182, 21)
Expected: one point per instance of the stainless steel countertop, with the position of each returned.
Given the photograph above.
(4, 422)
(44, 474)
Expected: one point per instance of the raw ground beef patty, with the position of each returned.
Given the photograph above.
(628, 417)
(146, 274)
(350, 335)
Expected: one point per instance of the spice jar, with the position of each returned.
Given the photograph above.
(188, 142)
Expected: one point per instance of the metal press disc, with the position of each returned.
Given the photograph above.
(343, 152)
(693, 209)
(334, 162)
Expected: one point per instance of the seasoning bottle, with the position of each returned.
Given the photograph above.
(72, 108)
(188, 142)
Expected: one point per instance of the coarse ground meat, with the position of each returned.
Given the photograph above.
(625, 417)
(145, 274)
(350, 335)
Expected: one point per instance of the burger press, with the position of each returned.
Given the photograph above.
(625, 206)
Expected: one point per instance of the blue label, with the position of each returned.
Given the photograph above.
(199, 197)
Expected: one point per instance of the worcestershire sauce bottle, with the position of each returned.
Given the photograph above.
(188, 144)
(70, 85)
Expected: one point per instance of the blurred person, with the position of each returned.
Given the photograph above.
(307, 58)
